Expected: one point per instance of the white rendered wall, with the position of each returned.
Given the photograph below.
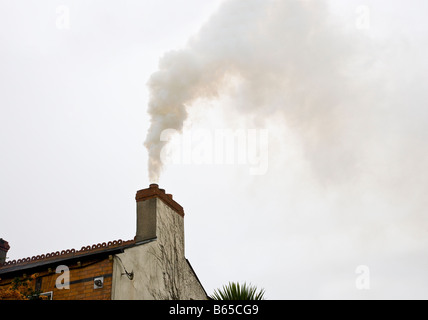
(161, 271)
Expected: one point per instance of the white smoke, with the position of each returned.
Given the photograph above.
(356, 104)
(288, 58)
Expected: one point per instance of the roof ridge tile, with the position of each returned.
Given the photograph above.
(65, 253)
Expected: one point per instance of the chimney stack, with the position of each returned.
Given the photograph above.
(151, 204)
(4, 248)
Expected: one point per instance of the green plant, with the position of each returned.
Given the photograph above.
(21, 289)
(236, 291)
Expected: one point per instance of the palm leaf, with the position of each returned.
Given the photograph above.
(236, 291)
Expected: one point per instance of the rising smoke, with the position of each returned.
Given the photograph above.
(290, 60)
(355, 102)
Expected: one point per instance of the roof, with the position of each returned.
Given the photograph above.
(97, 249)
(53, 257)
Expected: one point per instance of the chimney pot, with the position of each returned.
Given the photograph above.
(154, 192)
(4, 248)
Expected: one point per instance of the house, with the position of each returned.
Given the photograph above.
(149, 267)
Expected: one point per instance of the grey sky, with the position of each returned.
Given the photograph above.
(74, 119)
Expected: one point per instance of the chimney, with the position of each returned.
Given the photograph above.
(157, 210)
(4, 248)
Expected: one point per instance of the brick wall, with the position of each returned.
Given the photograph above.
(81, 276)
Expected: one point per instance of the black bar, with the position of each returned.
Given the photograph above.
(264, 310)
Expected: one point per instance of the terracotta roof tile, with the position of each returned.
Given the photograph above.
(70, 253)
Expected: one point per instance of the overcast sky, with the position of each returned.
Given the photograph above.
(340, 89)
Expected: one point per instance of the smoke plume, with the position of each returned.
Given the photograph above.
(354, 104)
(289, 60)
